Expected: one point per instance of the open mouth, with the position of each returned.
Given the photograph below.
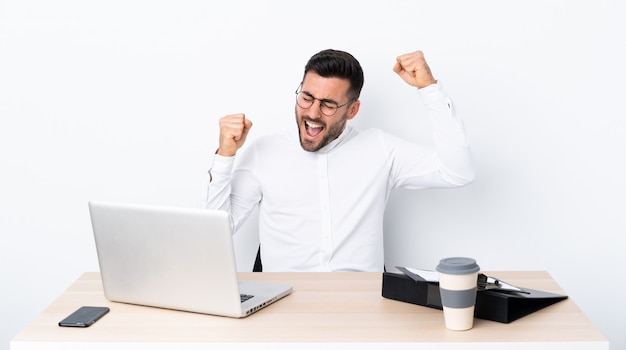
(313, 129)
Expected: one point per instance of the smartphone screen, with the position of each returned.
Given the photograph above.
(85, 316)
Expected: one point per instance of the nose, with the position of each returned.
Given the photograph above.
(315, 111)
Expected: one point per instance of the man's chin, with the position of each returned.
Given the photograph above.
(310, 145)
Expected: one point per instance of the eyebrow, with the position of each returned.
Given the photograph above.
(323, 100)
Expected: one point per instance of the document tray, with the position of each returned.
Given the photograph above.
(504, 307)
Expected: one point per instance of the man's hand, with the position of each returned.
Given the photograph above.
(413, 69)
(234, 129)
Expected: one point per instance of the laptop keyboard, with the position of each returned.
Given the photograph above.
(245, 297)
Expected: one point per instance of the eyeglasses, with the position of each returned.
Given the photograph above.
(327, 107)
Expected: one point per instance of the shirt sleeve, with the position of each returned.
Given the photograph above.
(219, 183)
(233, 188)
(449, 163)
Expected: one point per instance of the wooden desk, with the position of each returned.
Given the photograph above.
(326, 310)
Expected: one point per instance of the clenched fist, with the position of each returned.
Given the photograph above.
(413, 69)
(234, 129)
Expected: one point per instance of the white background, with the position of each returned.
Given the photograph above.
(119, 100)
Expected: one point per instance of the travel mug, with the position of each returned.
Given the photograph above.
(458, 281)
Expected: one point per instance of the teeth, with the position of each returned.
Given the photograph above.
(313, 125)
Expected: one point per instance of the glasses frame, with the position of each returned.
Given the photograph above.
(322, 101)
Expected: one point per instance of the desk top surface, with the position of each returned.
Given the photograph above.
(323, 308)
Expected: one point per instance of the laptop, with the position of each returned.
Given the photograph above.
(174, 258)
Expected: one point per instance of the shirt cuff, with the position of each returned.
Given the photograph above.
(222, 165)
(433, 93)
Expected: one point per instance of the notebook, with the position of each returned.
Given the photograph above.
(174, 258)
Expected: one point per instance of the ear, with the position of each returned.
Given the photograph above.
(353, 109)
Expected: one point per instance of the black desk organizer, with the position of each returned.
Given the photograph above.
(504, 307)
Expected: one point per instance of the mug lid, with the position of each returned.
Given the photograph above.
(457, 266)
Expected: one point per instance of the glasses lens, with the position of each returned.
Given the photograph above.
(328, 109)
(303, 100)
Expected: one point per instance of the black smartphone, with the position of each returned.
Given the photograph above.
(85, 316)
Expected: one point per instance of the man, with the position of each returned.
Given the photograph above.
(322, 201)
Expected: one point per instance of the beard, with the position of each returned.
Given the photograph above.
(329, 133)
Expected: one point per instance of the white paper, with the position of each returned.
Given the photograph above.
(428, 275)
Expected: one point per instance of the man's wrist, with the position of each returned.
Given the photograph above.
(224, 153)
(427, 84)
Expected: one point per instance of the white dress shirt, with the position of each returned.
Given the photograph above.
(323, 211)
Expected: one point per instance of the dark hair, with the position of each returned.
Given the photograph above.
(337, 64)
